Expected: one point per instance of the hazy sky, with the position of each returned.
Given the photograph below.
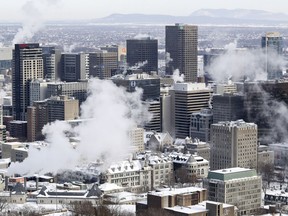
(11, 10)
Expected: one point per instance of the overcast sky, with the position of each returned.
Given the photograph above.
(16, 10)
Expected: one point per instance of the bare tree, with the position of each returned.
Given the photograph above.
(267, 172)
(3, 204)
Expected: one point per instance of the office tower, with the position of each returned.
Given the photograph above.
(221, 88)
(150, 84)
(272, 43)
(228, 107)
(74, 67)
(78, 90)
(200, 124)
(144, 53)
(27, 65)
(233, 144)
(51, 63)
(37, 90)
(187, 98)
(154, 108)
(237, 186)
(181, 47)
(62, 108)
(37, 117)
(3, 133)
(102, 63)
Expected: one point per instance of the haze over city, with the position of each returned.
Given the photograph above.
(136, 108)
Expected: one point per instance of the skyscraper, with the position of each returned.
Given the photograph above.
(187, 98)
(272, 43)
(73, 67)
(233, 144)
(144, 53)
(51, 63)
(102, 63)
(181, 47)
(27, 65)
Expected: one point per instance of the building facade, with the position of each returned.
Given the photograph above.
(187, 98)
(27, 65)
(181, 43)
(233, 144)
(143, 53)
(237, 186)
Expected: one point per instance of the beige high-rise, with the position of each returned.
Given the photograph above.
(233, 144)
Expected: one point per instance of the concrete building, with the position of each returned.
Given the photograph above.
(233, 144)
(51, 63)
(195, 166)
(27, 65)
(200, 124)
(73, 67)
(5, 58)
(136, 137)
(187, 98)
(222, 88)
(102, 63)
(18, 129)
(15, 150)
(143, 53)
(154, 108)
(62, 108)
(236, 186)
(2, 133)
(37, 90)
(78, 90)
(37, 117)
(189, 201)
(228, 107)
(195, 146)
(132, 175)
(272, 44)
(149, 83)
(181, 42)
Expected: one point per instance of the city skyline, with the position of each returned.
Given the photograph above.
(19, 10)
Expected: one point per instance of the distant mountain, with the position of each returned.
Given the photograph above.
(203, 16)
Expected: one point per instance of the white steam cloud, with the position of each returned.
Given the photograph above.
(69, 48)
(111, 113)
(138, 65)
(141, 36)
(247, 64)
(33, 19)
(177, 77)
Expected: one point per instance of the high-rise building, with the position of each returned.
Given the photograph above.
(200, 124)
(136, 137)
(154, 108)
(37, 90)
(74, 67)
(237, 186)
(272, 43)
(62, 108)
(187, 98)
(143, 53)
(228, 107)
(27, 66)
(78, 90)
(149, 83)
(51, 63)
(181, 46)
(233, 144)
(102, 63)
